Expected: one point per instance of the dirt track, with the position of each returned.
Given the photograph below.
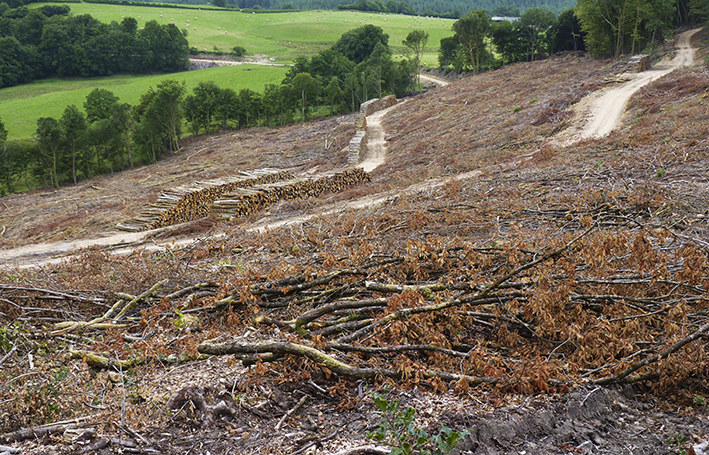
(602, 112)
(596, 116)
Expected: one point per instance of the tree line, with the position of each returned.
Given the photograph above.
(45, 42)
(107, 135)
(479, 44)
(620, 27)
(440, 8)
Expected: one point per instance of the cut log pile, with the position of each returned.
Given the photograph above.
(188, 203)
(377, 104)
(639, 63)
(245, 201)
(359, 140)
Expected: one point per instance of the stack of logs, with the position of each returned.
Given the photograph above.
(639, 63)
(245, 201)
(192, 202)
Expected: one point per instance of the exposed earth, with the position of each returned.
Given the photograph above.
(461, 166)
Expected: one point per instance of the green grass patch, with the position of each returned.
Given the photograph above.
(21, 106)
(282, 36)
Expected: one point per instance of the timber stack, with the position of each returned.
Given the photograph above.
(245, 201)
(187, 203)
(639, 63)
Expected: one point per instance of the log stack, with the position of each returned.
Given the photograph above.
(245, 201)
(191, 202)
(639, 63)
(377, 104)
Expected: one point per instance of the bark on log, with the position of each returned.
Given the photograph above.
(44, 430)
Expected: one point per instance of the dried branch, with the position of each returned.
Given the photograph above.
(50, 428)
(290, 412)
(654, 358)
(99, 361)
(280, 348)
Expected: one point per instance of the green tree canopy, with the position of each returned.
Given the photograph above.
(534, 27)
(49, 135)
(416, 41)
(307, 89)
(471, 31)
(73, 124)
(358, 44)
(99, 104)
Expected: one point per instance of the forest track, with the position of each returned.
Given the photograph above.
(596, 116)
(602, 112)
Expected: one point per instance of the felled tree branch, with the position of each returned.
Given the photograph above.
(99, 361)
(44, 430)
(703, 330)
(280, 348)
(63, 328)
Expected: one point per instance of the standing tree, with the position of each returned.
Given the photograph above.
(447, 51)
(567, 33)
(99, 104)
(6, 158)
(358, 44)
(380, 66)
(227, 106)
(307, 89)
(416, 41)
(49, 136)
(471, 31)
(334, 95)
(203, 105)
(534, 26)
(73, 123)
(121, 122)
(166, 108)
(159, 117)
(506, 39)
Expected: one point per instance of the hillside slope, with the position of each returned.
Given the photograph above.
(554, 302)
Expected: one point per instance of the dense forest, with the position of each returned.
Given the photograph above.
(46, 41)
(108, 135)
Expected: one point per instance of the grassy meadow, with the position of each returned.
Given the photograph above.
(21, 106)
(279, 36)
(282, 36)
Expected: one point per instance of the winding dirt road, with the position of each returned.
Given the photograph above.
(602, 112)
(376, 143)
(597, 115)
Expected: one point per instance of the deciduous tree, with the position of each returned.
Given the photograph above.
(471, 31)
(99, 104)
(534, 27)
(73, 123)
(358, 44)
(307, 89)
(49, 135)
(416, 41)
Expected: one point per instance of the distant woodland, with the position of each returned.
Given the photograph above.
(108, 135)
(46, 41)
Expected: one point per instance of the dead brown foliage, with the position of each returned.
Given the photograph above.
(562, 269)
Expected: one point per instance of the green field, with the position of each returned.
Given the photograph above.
(282, 36)
(21, 106)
